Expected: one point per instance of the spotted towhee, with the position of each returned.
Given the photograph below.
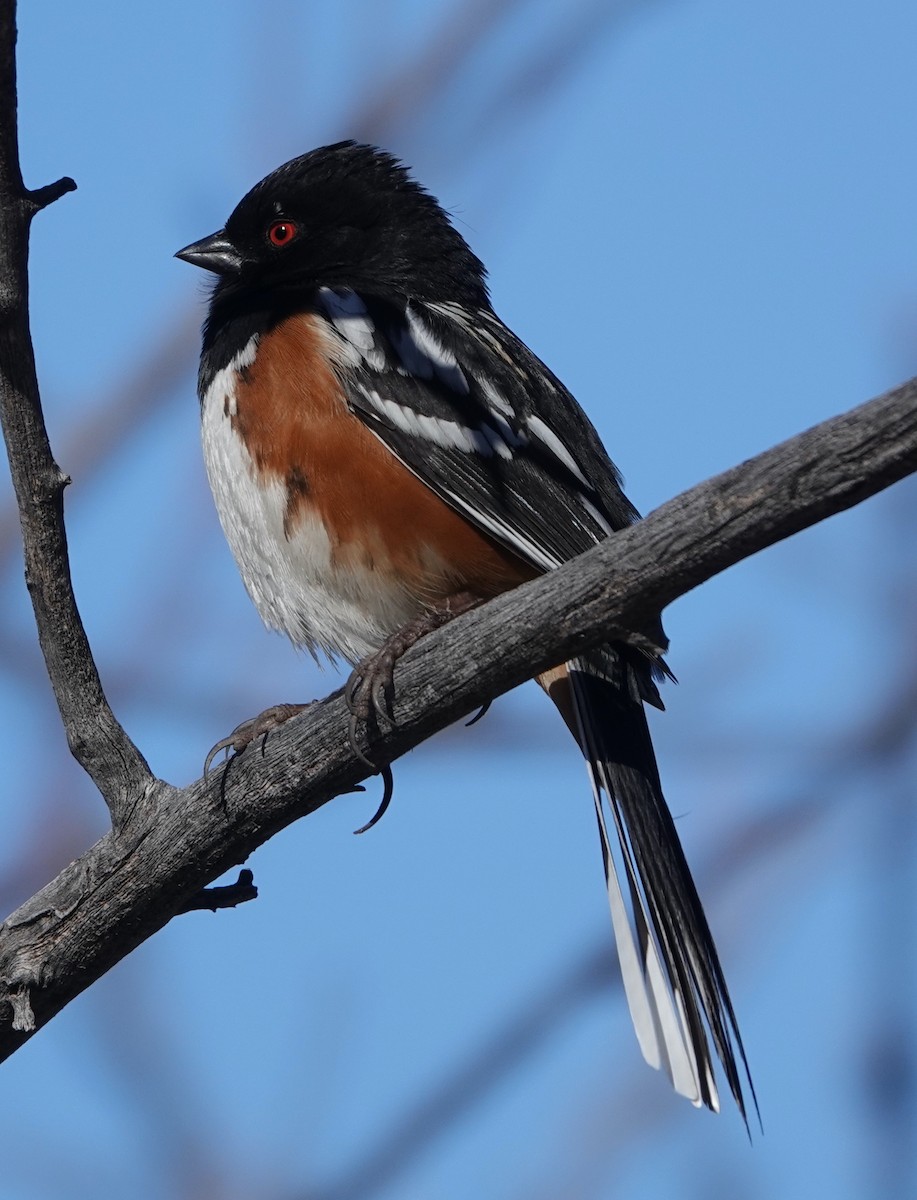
(384, 453)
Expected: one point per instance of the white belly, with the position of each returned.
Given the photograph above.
(346, 611)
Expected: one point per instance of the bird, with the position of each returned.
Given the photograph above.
(384, 454)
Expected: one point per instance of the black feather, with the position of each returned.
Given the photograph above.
(617, 745)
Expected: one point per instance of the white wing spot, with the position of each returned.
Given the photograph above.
(504, 532)
(349, 316)
(451, 435)
(453, 312)
(413, 360)
(496, 400)
(417, 344)
(499, 445)
(550, 439)
(594, 513)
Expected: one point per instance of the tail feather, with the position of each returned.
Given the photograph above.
(658, 1024)
(672, 976)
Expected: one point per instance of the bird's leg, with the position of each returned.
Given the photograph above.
(370, 688)
(257, 727)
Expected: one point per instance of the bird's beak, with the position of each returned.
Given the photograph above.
(215, 253)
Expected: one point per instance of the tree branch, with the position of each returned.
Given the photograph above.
(132, 882)
(96, 739)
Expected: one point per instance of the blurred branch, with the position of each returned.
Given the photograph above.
(532, 81)
(528, 1026)
(475, 1077)
(411, 89)
(101, 429)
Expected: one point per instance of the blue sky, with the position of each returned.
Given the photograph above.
(704, 223)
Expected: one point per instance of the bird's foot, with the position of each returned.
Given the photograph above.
(257, 727)
(370, 690)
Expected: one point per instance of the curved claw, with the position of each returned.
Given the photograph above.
(225, 743)
(382, 701)
(352, 686)
(388, 786)
(480, 713)
(258, 727)
(352, 738)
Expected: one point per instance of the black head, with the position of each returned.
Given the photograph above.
(341, 216)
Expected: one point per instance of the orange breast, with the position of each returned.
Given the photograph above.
(378, 516)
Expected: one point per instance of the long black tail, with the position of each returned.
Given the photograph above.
(672, 975)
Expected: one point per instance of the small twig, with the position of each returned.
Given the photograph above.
(227, 895)
(41, 197)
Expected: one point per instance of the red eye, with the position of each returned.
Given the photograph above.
(280, 233)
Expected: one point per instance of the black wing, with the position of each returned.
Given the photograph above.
(462, 403)
(476, 416)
